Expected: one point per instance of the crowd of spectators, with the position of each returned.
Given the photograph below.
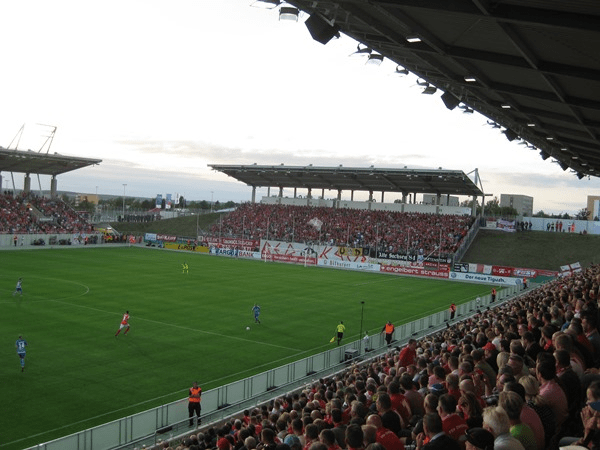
(27, 213)
(385, 230)
(523, 375)
(15, 216)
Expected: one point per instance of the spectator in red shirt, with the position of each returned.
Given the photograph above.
(453, 424)
(399, 402)
(384, 436)
(408, 354)
(327, 437)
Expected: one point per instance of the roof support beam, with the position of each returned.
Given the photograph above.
(512, 13)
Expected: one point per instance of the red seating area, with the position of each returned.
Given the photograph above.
(391, 231)
(17, 216)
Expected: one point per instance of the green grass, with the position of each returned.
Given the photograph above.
(178, 226)
(533, 249)
(183, 327)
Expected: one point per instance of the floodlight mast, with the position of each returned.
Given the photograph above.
(48, 141)
(362, 314)
(17, 137)
(477, 181)
(49, 138)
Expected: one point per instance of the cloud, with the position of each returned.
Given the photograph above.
(198, 153)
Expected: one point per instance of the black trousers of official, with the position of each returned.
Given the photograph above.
(388, 339)
(194, 407)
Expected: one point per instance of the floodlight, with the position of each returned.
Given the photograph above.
(374, 59)
(288, 13)
(401, 71)
(361, 51)
(544, 155)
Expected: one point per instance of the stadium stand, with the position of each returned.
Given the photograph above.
(28, 213)
(497, 350)
(390, 231)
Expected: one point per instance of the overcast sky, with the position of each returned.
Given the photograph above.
(158, 90)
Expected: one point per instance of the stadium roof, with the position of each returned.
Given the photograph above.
(531, 67)
(451, 182)
(41, 163)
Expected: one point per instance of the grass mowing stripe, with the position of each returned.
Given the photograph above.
(179, 326)
(184, 327)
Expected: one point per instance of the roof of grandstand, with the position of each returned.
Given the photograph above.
(41, 163)
(529, 66)
(439, 181)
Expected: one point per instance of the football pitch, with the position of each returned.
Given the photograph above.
(184, 327)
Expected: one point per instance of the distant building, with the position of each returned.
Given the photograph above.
(79, 198)
(593, 206)
(522, 203)
(445, 200)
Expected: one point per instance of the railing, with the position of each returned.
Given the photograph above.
(26, 240)
(465, 243)
(167, 421)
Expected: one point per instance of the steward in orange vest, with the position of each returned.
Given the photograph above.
(194, 402)
(389, 332)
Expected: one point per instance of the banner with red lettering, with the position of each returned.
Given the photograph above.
(506, 225)
(342, 254)
(414, 271)
(527, 273)
(290, 252)
(502, 271)
(166, 238)
(239, 243)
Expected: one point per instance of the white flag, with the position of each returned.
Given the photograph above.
(316, 223)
